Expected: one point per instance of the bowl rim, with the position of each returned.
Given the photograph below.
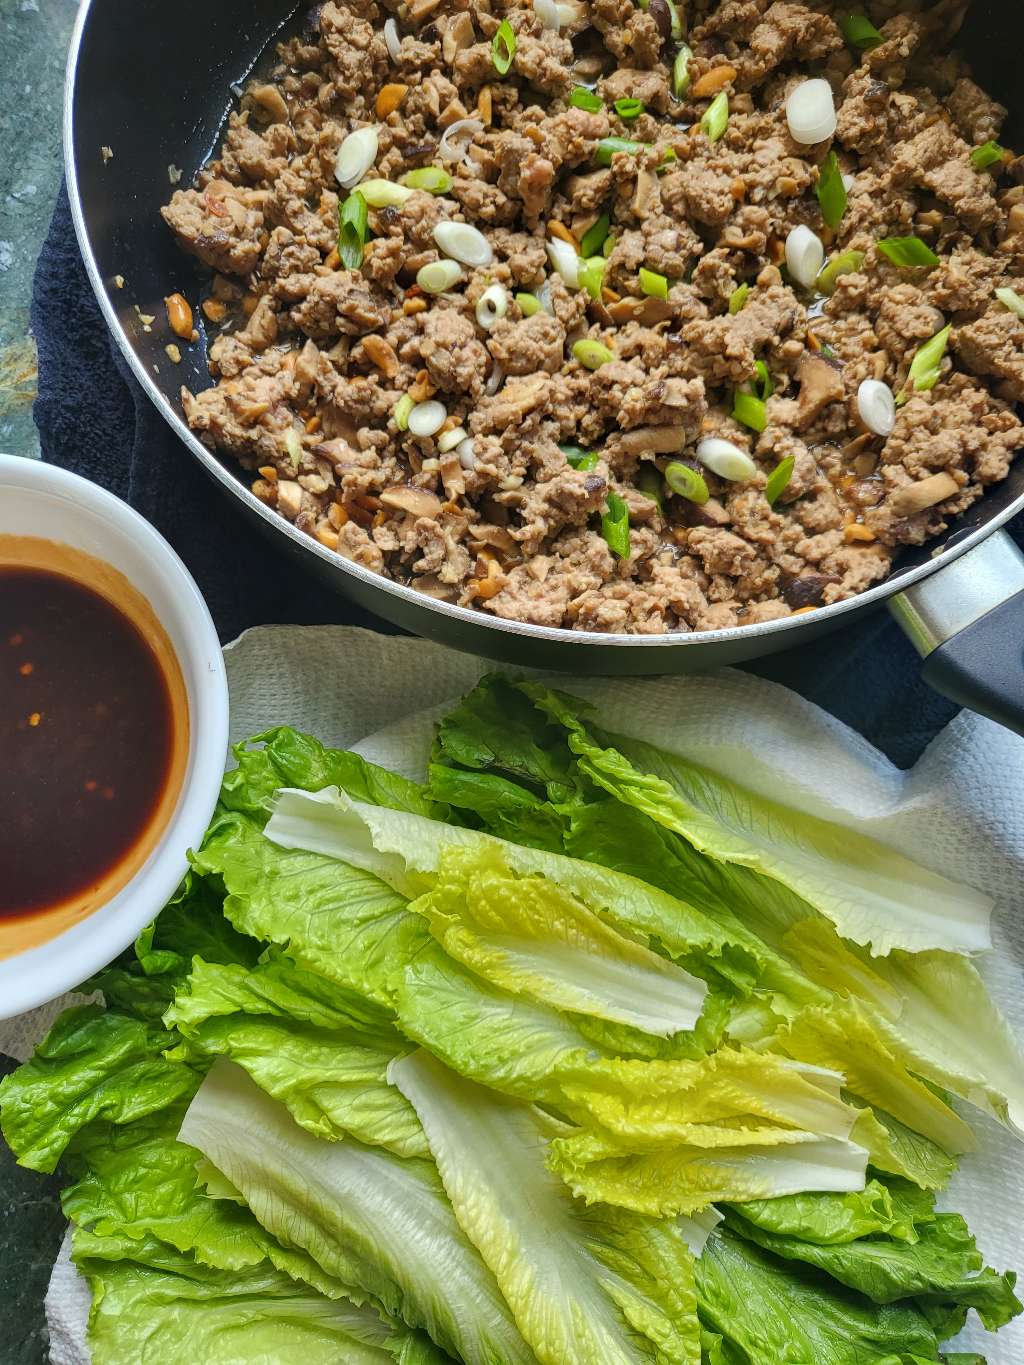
(48, 970)
(409, 598)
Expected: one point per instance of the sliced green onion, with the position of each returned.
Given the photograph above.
(592, 354)
(580, 458)
(778, 479)
(907, 252)
(503, 48)
(380, 194)
(609, 246)
(436, 277)
(649, 482)
(765, 383)
(859, 32)
(676, 30)
(846, 263)
(750, 410)
(608, 146)
(681, 71)
(831, 192)
(591, 275)
(629, 108)
(582, 98)
(738, 298)
(653, 284)
(716, 117)
(401, 412)
(593, 238)
(925, 368)
(431, 178)
(1009, 298)
(528, 304)
(353, 227)
(987, 155)
(686, 482)
(615, 526)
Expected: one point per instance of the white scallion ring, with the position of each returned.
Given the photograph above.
(356, 155)
(492, 306)
(811, 112)
(877, 407)
(565, 261)
(495, 380)
(805, 255)
(391, 38)
(456, 138)
(426, 419)
(466, 452)
(437, 277)
(547, 12)
(463, 242)
(726, 460)
(448, 440)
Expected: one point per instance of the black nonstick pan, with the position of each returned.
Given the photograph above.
(151, 82)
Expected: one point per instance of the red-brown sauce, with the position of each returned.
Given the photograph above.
(86, 738)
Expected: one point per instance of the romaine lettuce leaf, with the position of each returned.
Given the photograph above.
(873, 894)
(586, 1287)
(366, 1216)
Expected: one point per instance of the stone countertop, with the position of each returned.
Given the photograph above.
(34, 36)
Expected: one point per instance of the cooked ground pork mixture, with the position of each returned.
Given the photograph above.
(606, 384)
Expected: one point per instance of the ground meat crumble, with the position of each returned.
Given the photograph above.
(314, 360)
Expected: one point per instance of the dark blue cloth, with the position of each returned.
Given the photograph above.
(94, 419)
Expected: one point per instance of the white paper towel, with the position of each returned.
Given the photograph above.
(960, 810)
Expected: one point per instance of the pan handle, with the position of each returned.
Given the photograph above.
(967, 623)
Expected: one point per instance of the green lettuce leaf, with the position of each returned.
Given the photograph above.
(319, 1048)
(586, 1287)
(768, 1311)
(93, 1064)
(873, 894)
(827, 1220)
(367, 1217)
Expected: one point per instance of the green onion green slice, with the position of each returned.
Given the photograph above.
(686, 482)
(401, 412)
(750, 410)
(831, 192)
(615, 526)
(859, 32)
(653, 284)
(353, 229)
(592, 354)
(925, 368)
(846, 263)
(649, 482)
(738, 298)
(765, 384)
(716, 117)
(988, 154)
(907, 252)
(591, 276)
(503, 48)
(579, 458)
(629, 108)
(681, 72)
(608, 146)
(594, 237)
(431, 178)
(529, 304)
(778, 479)
(582, 98)
(1009, 298)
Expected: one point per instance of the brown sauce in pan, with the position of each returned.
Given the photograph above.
(93, 741)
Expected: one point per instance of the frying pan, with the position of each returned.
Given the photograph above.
(152, 82)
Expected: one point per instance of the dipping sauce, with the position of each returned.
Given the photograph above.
(87, 742)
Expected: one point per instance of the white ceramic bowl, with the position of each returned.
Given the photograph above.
(38, 499)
